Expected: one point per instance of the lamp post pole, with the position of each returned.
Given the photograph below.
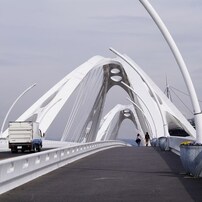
(182, 66)
(11, 107)
(139, 107)
(149, 126)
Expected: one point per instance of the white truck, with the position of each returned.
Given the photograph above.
(24, 135)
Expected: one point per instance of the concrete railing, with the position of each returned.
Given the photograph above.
(170, 143)
(19, 170)
(174, 143)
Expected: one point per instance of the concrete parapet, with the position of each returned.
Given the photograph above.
(163, 143)
(191, 157)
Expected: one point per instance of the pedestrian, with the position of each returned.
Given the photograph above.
(138, 140)
(147, 138)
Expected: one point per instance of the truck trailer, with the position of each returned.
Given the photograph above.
(24, 135)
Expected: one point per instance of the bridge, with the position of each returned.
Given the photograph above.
(86, 131)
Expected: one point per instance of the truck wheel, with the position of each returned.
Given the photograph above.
(14, 150)
(39, 148)
(34, 148)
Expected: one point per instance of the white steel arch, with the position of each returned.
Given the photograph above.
(110, 124)
(93, 79)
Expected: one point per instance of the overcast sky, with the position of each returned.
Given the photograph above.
(41, 41)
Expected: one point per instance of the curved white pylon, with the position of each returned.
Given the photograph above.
(110, 124)
(150, 88)
(182, 66)
(106, 72)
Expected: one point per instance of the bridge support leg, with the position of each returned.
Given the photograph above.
(163, 143)
(191, 157)
(154, 142)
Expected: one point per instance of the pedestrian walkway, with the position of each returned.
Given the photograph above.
(118, 174)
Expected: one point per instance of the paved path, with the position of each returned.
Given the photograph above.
(119, 174)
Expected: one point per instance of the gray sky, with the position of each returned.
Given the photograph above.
(43, 40)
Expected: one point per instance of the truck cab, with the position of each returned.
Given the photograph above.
(24, 135)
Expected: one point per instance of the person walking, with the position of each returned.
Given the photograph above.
(147, 138)
(138, 140)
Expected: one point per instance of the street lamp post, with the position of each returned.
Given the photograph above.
(182, 66)
(11, 107)
(142, 102)
(146, 120)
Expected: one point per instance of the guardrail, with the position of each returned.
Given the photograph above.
(19, 170)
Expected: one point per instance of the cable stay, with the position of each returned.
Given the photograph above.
(182, 92)
(182, 102)
(168, 90)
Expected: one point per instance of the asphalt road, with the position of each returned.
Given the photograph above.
(136, 174)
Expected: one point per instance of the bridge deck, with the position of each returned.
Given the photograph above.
(119, 174)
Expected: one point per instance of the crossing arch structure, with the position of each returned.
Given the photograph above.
(110, 124)
(88, 86)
